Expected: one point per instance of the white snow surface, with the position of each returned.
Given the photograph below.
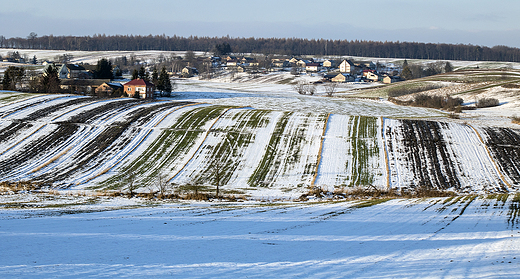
(113, 237)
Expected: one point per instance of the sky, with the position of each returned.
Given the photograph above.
(477, 22)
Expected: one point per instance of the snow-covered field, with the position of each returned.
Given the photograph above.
(80, 142)
(63, 236)
(267, 143)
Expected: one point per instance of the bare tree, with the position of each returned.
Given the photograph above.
(330, 88)
(130, 182)
(232, 74)
(161, 184)
(300, 87)
(311, 89)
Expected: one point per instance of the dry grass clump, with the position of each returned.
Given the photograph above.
(515, 119)
(368, 192)
(10, 187)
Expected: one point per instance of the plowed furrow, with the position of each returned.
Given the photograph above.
(44, 112)
(427, 155)
(504, 146)
(12, 130)
(11, 109)
(102, 146)
(37, 148)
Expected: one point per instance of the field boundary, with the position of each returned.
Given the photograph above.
(321, 149)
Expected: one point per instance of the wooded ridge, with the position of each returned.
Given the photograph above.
(281, 46)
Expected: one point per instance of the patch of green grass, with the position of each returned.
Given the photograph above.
(166, 149)
(262, 170)
(15, 96)
(286, 81)
(363, 138)
(387, 90)
(222, 161)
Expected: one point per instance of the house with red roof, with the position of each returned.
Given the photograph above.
(141, 87)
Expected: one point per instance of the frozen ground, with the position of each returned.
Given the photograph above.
(466, 237)
(283, 97)
(87, 236)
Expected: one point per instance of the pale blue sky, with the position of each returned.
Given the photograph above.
(476, 22)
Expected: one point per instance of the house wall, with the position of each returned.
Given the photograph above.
(387, 80)
(339, 78)
(373, 77)
(145, 92)
(345, 67)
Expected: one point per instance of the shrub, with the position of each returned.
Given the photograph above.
(511, 85)
(487, 102)
(438, 102)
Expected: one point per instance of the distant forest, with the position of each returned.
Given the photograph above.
(282, 46)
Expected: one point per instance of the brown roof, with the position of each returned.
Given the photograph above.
(139, 82)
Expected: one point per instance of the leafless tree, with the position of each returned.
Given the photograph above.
(232, 74)
(161, 184)
(300, 87)
(130, 182)
(311, 89)
(330, 88)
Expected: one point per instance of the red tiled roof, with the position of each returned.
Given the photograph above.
(139, 82)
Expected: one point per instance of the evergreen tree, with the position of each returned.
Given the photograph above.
(50, 82)
(104, 69)
(142, 74)
(407, 74)
(135, 74)
(119, 73)
(163, 83)
(448, 68)
(12, 76)
(155, 76)
(6, 81)
(222, 49)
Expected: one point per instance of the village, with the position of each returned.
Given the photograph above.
(129, 76)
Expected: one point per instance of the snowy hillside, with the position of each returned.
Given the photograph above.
(86, 143)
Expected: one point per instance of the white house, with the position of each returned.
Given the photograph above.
(346, 66)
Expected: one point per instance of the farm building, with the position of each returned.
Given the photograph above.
(139, 86)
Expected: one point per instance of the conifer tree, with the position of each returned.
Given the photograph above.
(448, 68)
(104, 69)
(155, 76)
(142, 74)
(6, 81)
(12, 76)
(50, 82)
(135, 74)
(406, 73)
(163, 83)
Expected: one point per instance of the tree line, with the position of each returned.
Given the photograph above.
(282, 46)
